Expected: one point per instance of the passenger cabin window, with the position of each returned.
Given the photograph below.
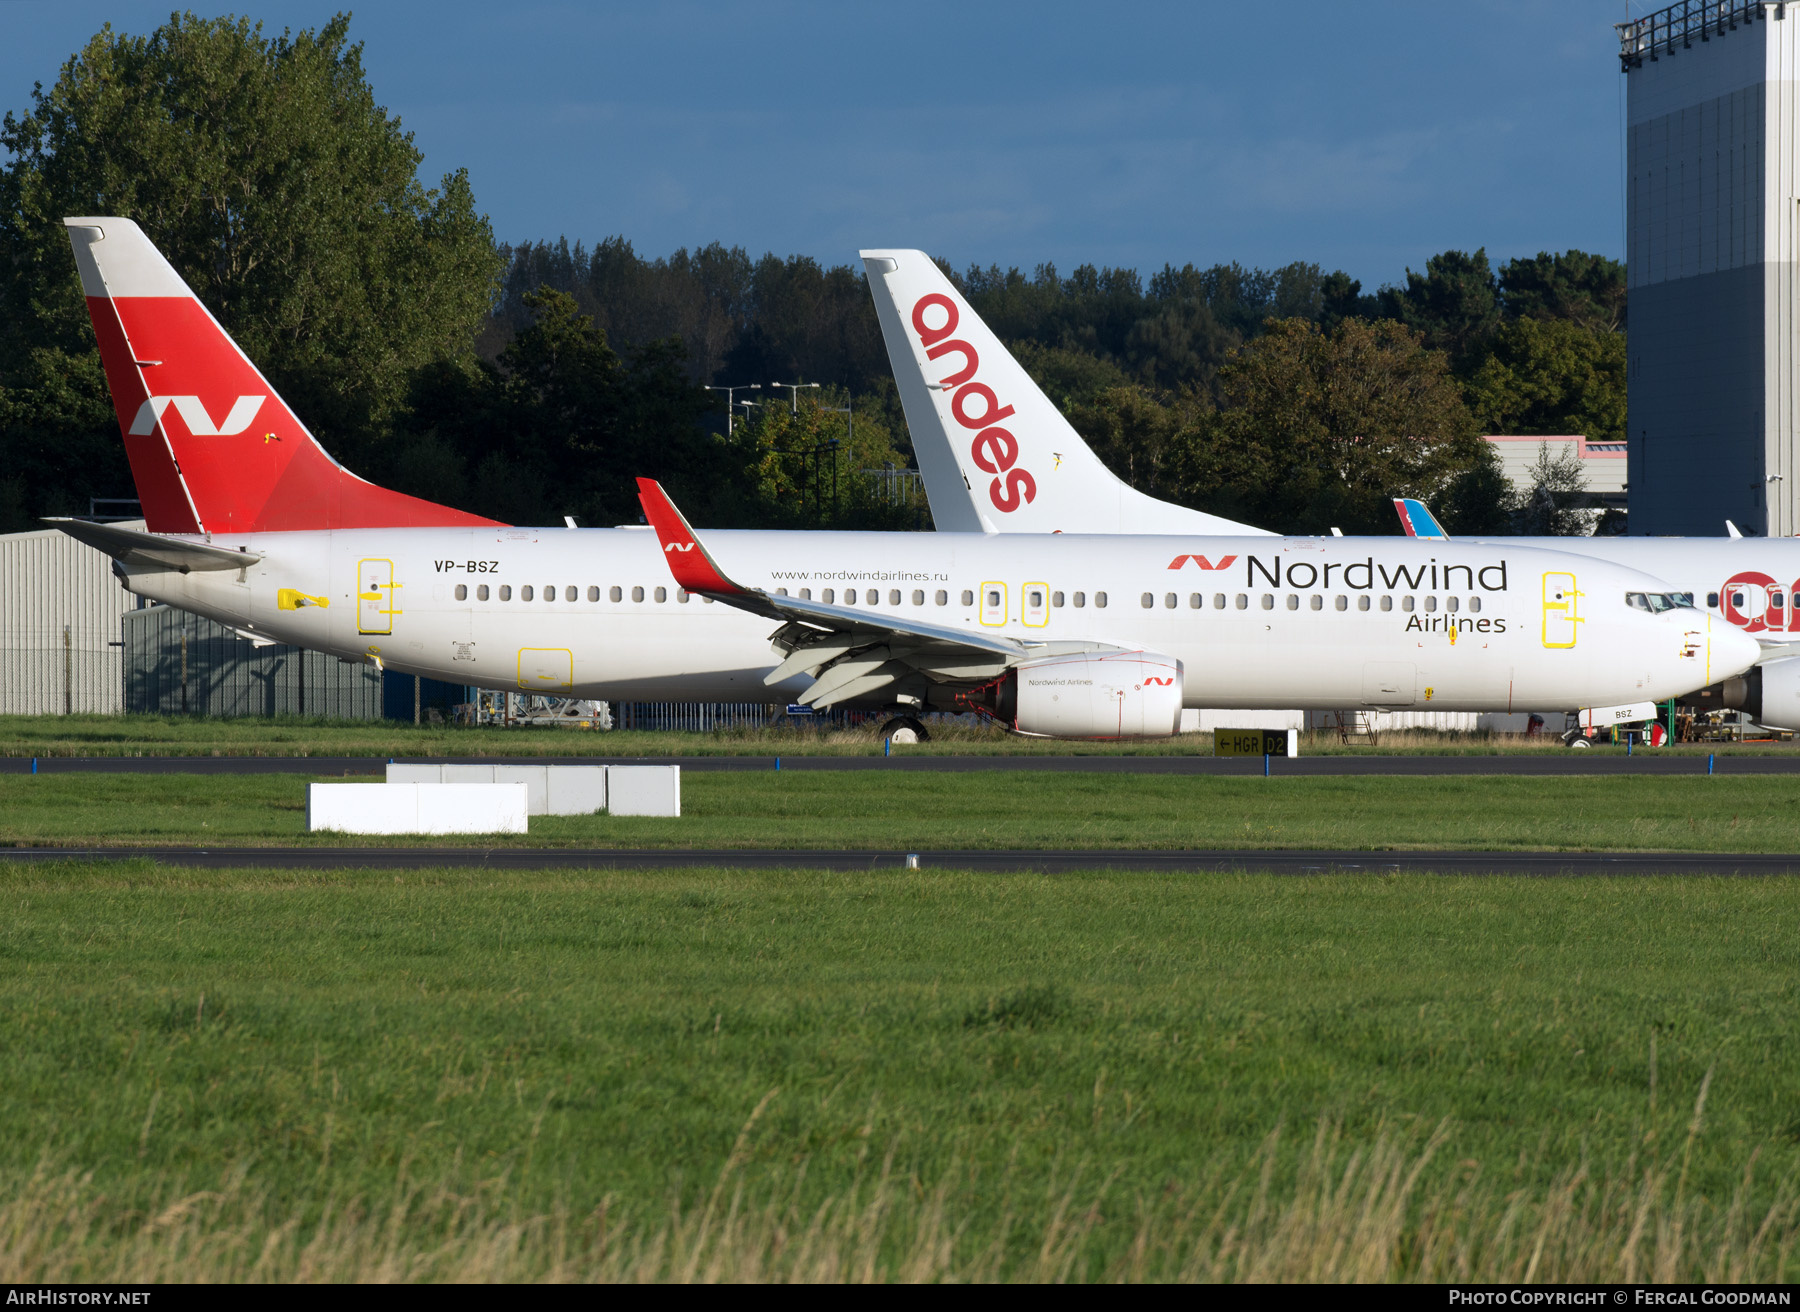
(615, 594)
(849, 596)
(1243, 602)
(1268, 601)
(1430, 604)
(894, 596)
(1218, 601)
(481, 592)
(1475, 603)
(571, 594)
(525, 593)
(827, 596)
(637, 594)
(1362, 602)
(1080, 600)
(1387, 602)
(993, 603)
(593, 594)
(942, 598)
(506, 592)
(1056, 600)
(462, 591)
(1100, 600)
(1712, 600)
(805, 594)
(1293, 601)
(682, 595)
(1406, 603)
(1452, 604)
(1317, 602)
(968, 597)
(1195, 601)
(1341, 602)
(1149, 600)
(662, 594)
(918, 597)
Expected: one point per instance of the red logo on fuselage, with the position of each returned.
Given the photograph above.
(994, 449)
(1755, 603)
(1225, 562)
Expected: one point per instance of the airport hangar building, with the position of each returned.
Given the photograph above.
(1712, 262)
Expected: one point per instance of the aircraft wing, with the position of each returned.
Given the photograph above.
(848, 652)
(1417, 520)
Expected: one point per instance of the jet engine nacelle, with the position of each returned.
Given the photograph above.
(1779, 704)
(1768, 693)
(1123, 694)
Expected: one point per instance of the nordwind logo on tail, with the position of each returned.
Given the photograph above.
(193, 414)
(678, 546)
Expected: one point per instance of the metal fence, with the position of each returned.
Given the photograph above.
(1680, 25)
(177, 663)
(694, 717)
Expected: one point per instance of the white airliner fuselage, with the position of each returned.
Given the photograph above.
(1305, 621)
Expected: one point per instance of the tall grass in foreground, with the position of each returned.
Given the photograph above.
(1391, 1209)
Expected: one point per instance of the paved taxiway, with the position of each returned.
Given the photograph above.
(1058, 861)
(1548, 764)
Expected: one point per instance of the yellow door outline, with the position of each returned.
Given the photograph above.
(1561, 609)
(546, 669)
(375, 596)
(1041, 611)
(993, 615)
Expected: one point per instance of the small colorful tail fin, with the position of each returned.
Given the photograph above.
(1418, 521)
(213, 449)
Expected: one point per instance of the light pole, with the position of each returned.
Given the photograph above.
(794, 388)
(740, 387)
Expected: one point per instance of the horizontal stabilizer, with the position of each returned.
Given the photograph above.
(149, 551)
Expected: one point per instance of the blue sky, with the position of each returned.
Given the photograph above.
(1363, 136)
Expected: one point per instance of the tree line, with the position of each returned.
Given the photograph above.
(533, 381)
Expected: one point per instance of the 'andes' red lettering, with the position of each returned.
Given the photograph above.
(1020, 488)
(970, 361)
(993, 449)
(932, 336)
(992, 411)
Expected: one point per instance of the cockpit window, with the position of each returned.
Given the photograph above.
(1658, 602)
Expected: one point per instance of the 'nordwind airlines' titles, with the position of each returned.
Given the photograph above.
(1430, 576)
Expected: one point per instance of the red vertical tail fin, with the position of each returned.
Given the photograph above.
(213, 449)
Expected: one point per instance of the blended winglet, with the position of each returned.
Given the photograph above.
(693, 567)
(1417, 520)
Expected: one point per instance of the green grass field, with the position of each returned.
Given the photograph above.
(173, 735)
(787, 1074)
(807, 809)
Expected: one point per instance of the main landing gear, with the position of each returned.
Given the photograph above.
(906, 729)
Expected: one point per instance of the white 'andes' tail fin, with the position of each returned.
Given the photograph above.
(212, 448)
(996, 454)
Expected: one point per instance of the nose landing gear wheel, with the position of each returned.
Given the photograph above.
(905, 729)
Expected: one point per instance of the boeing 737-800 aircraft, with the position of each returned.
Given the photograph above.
(1034, 474)
(252, 524)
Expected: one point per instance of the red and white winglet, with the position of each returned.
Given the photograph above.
(694, 569)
